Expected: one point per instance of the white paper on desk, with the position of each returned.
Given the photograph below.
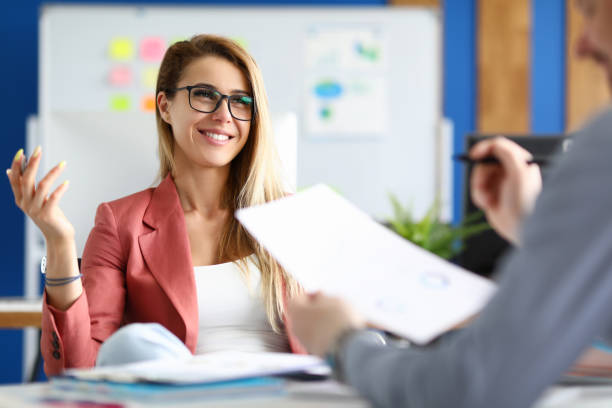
(204, 368)
(328, 244)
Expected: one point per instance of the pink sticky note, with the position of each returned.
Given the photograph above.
(152, 49)
(120, 76)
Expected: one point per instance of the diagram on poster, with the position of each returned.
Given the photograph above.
(346, 92)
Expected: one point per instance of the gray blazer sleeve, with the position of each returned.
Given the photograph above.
(554, 297)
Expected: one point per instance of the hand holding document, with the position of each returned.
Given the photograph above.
(329, 245)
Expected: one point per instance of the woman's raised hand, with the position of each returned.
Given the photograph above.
(35, 200)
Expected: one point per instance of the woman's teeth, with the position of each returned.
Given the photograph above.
(216, 136)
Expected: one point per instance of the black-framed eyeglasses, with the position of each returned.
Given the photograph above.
(206, 100)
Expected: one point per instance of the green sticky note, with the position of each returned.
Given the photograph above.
(121, 49)
(178, 39)
(241, 41)
(120, 103)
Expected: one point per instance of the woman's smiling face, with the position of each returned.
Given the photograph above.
(207, 139)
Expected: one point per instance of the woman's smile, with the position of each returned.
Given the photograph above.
(216, 137)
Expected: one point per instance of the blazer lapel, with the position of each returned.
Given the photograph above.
(167, 254)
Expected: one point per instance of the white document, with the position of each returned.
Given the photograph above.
(204, 368)
(329, 245)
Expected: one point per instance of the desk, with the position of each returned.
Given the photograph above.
(18, 313)
(576, 397)
(299, 395)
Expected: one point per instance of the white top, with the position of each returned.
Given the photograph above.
(232, 314)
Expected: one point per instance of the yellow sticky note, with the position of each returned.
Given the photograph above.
(149, 77)
(121, 49)
(120, 103)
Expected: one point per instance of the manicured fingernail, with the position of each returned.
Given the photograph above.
(18, 155)
(8, 172)
(62, 164)
(36, 151)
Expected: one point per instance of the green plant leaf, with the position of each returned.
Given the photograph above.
(430, 233)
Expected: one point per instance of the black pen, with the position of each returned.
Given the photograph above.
(540, 161)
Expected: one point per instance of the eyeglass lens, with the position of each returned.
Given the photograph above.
(206, 100)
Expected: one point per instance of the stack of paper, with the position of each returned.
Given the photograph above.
(168, 393)
(205, 368)
(173, 381)
(329, 245)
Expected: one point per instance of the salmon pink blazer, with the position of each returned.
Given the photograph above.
(136, 267)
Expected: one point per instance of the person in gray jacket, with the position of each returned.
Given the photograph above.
(555, 291)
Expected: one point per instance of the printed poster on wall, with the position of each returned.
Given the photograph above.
(346, 88)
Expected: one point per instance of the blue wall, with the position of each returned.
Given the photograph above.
(459, 76)
(19, 74)
(548, 66)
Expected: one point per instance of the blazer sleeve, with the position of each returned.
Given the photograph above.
(554, 298)
(71, 338)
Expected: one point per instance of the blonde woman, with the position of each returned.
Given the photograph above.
(172, 257)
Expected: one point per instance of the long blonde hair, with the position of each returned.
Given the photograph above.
(254, 173)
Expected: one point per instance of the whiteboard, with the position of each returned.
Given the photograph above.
(380, 138)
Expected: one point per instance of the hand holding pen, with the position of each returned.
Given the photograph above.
(505, 192)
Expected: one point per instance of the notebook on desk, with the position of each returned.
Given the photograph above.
(226, 374)
(210, 368)
(169, 393)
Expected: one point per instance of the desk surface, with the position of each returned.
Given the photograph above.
(576, 397)
(299, 395)
(20, 312)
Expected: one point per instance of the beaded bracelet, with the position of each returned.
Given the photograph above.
(61, 281)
